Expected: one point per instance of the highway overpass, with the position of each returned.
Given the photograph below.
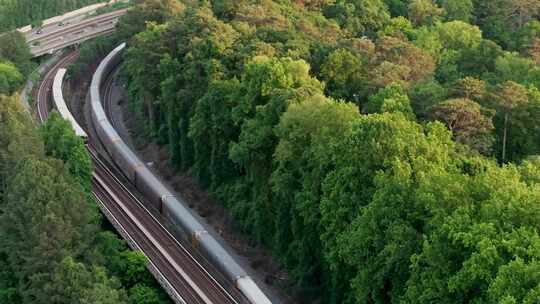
(55, 36)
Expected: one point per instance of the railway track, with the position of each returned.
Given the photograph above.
(187, 279)
(44, 90)
(107, 97)
(206, 274)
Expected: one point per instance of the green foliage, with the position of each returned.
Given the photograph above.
(13, 48)
(343, 71)
(91, 51)
(391, 99)
(425, 95)
(516, 120)
(486, 242)
(43, 226)
(302, 158)
(132, 269)
(10, 78)
(61, 142)
(360, 208)
(147, 11)
(73, 282)
(367, 212)
(359, 17)
(458, 10)
(424, 12)
(269, 87)
(397, 7)
(512, 67)
(398, 26)
(141, 294)
(51, 247)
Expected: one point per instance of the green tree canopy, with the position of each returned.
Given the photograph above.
(61, 142)
(10, 78)
(470, 123)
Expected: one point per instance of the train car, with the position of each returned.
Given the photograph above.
(181, 217)
(124, 158)
(60, 104)
(170, 206)
(251, 290)
(153, 189)
(219, 257)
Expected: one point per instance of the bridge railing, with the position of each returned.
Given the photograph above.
(70, 15)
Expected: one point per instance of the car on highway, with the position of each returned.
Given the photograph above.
(39, 31)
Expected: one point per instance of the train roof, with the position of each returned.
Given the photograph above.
(61, 106)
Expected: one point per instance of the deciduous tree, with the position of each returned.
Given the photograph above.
(470, 123)
(509, 96)
(424, 12)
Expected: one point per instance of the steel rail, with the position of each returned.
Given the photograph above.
(205, 278)
(136, 246)
(107, 100)
(155, 252)
(120, 188)
(208, 268)
(42, 104)
(115, 197)
(46, 85)
(244, 285)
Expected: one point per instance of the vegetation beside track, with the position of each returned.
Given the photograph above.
(383, 149)
(54, 244)
(55, 247)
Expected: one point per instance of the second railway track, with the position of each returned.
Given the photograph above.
(43, 93)
(190, 280)
(201, 276)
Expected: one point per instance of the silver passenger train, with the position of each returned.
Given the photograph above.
(60, 104)
(171, 206)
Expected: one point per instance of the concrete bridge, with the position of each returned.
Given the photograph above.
(64, 32)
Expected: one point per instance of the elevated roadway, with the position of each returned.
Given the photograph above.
(75, 15)
(56, 36)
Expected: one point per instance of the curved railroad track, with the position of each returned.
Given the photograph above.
(202, 273)
(184, 278)
(43, 92)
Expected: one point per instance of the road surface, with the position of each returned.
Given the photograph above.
(57, 36)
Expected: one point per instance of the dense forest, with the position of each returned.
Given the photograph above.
(53, 244)
(15, 62)
(17, 13)
(385, 150)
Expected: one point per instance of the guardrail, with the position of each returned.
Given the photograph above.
(70, 15)
(53, 48)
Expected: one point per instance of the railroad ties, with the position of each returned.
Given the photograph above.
(186, 276)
